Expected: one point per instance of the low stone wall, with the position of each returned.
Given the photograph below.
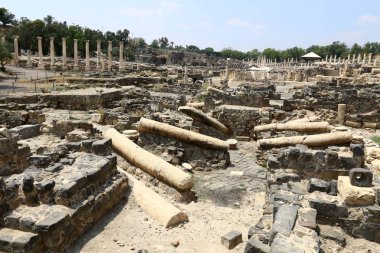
(325, 164)
(176, 152)
(241, 119)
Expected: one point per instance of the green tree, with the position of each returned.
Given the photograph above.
(5, 55)
(163, 42)
(122, 35)
(155, 44)
(6, 17)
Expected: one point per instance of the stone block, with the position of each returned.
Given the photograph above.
(283, 244)
(254, 245)
(333, 188)
(102, 147)
(357, 149)
(328, 206)
(316, 184)
(73, 146)
(12, 240)
(284, 220)
(39, 160)
(232, 239)
(273, 163)
(353, 195)
(26, 131)
(331, 233)
(361, 177)
(307, 217)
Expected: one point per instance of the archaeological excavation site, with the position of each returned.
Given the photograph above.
(179, 151)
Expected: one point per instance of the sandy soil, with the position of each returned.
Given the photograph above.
(128, 228)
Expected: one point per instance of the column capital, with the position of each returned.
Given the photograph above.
(39, 37)
(63, 38)
(51, 38)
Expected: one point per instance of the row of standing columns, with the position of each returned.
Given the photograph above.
(100, 62)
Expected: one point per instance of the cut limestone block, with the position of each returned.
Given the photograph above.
(232, 239)
(353, 195)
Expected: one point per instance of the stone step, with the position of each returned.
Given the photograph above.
(58, 225)
(12, 240)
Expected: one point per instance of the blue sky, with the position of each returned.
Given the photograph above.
(240, 24)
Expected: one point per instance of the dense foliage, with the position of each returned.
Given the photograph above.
(28, 30)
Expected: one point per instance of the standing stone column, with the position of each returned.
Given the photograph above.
(353, 58)
(369, 58)
(2, 40)
(98, 54)
(326, 59)
(348, 58)
(185, 76)
(103, 63)
(364, 58)
(121, 56)
(29, 58)
(64, 54)
(227, 68)
(359, 58)
(331, 58)
(51, 52)
(87, 55)
(335, 58)
(341, 113)
(76, 62)
(40, 60)
(15, 44)
(109, 55)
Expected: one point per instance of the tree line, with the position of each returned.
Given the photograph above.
(28, 31)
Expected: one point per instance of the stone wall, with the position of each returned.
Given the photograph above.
(177, 152)
(240, 119)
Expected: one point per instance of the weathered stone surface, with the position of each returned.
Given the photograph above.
(102, 147)
(254, 245)
(283, 244)
(318, 185)
(12, 240)
(353, 195)
(307, 217)
(39, 160)
(327, 206)
(26, 131)
(331, 233)
(231, 239)
(284, 220)
(361, 177)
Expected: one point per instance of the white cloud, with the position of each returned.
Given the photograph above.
(238, 22)
(163, 8)
(369, 20)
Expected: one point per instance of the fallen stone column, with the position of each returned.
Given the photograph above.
(215, 90)
(303, 127)
(194, 113)
(150, 163)
(316, 140)
(154, 127)
(160, 209)
(198, 105)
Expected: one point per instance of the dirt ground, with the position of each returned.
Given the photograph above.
(128, 228)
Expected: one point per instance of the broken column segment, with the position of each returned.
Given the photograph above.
(150, 163)
(151, 126)
(316, 140)
(194, 113)
(303, 127)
